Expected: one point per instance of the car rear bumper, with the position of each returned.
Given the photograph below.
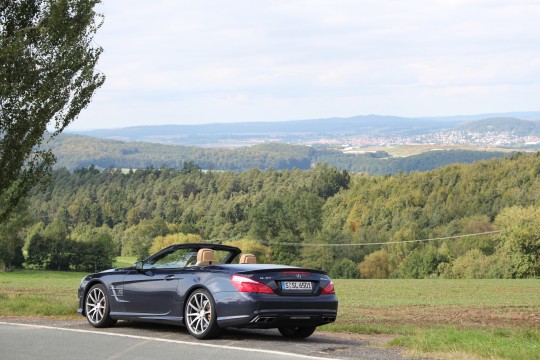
(266, 311)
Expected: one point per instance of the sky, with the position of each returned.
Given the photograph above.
(203, 61)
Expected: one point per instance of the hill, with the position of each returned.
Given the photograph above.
(285, 130)
(510, 125)
(249, 133)
(286, 212)
(75, 151)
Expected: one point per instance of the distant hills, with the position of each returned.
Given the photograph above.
(249, 133)
(284, 131)
(518, 127)
(75, 151)
(282, 145)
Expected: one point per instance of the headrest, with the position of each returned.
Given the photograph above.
(205, 256)
(248, 259)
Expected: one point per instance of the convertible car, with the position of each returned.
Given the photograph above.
(207, 288)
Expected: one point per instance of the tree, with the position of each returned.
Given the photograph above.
(376, 265)
(422, 263)
(329, 180)
(47, 76)
(477, 265)
(161, 242)
(12, 237)
(344, 269)
(520, 232)
(96, 253)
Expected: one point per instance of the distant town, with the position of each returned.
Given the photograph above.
(450, 137)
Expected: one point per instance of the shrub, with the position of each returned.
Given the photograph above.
(477, 265)
(376, 265)
(344, 269)
(421, 263)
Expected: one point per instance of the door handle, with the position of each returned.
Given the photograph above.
(169, 277)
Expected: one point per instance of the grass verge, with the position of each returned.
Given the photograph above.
(523, 344)
(39, 293)
(492, 319)
(466, 319)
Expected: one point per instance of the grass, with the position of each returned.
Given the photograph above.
(493, 343)
(39, 293)
(411, 150)
(492, 319)
(497, 319)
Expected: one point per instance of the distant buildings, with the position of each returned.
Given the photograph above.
(450, 137)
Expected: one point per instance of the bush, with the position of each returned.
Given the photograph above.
(376, 265)
(520, 232)
(421, 263)
(344, 269)
(477, 265)
(61, 253)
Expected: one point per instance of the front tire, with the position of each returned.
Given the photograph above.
(200, 315)
(297, 332)
(97, 307)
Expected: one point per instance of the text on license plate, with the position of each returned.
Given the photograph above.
(296, 285)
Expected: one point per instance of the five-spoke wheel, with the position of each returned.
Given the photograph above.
(200, 315)
(97, 307)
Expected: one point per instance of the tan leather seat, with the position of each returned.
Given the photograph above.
(205, 257)
(247, 259)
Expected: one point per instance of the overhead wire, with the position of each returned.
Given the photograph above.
(387, 242)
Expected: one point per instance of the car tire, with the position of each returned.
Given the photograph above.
(97, 308)
(200, 315)
(296, 332)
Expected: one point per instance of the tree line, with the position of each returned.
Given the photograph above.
(287, 216)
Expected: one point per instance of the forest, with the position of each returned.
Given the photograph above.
(351, 225)
(74, 152)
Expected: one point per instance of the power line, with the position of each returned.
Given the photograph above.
(392, 242)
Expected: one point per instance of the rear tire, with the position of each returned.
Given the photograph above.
(200, 315)
(297, 332)
(96, 306)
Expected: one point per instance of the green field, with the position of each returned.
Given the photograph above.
(412, 150)
(39, 293)
(494, 319)
(489, 318)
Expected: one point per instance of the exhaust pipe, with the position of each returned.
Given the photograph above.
(263, 319)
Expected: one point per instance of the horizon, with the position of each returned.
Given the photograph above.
(487, 115)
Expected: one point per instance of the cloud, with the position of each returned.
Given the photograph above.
(170, 61)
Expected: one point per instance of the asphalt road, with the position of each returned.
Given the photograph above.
(24, 338)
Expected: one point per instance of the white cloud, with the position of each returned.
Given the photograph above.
(171, 61)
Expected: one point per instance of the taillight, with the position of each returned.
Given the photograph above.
(328, 289)
(245, 284)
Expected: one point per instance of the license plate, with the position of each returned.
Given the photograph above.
(296, 285)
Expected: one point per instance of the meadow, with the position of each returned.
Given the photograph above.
(493, 319)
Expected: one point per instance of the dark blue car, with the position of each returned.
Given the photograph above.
(207, 288)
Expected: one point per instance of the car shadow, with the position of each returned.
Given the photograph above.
(239, 334)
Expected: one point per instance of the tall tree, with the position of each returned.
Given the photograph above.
(47, 76)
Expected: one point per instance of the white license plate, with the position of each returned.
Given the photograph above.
(296, 285)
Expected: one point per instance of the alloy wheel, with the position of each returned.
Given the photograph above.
(198, 313)
(96, 304)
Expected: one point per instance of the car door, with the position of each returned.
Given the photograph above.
(152, 291)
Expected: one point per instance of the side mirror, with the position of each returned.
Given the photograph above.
(138, 265)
